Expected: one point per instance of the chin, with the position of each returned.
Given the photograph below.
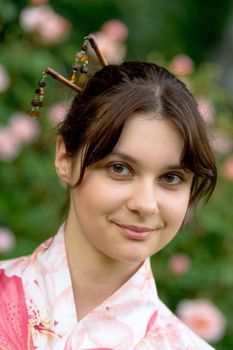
(134, 257)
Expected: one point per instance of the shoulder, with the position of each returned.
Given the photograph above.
(177, 332)
(13, 267)
(17, 266)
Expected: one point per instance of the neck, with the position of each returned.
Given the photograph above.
(94, 276)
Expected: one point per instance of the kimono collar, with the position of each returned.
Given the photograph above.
(119, 322)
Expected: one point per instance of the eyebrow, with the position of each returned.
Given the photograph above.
(126, 157)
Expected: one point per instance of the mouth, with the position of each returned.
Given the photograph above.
(136, 232)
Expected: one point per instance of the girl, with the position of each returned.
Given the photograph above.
(134, 154)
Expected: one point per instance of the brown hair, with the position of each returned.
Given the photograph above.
(97, 117)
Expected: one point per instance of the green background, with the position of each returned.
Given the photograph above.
(32, 200)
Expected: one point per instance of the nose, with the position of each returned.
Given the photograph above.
(143, 199)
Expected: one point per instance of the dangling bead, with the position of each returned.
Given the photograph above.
(42, 83)
(80, 66)
(84, 46)
(82, 56)
(84, 69)
(76, 67)
(38, 100)
(39, 91)
(83, 79)
(34, 113)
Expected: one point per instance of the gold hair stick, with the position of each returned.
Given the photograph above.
(97, 50)
(62, 79)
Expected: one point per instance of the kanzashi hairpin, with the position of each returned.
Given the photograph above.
(98, 52)
(77, 79)
(80, 66)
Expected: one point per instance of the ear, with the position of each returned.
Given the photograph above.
(62, 161)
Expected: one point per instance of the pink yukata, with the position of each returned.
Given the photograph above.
(37, 309)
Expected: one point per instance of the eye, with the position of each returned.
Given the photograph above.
(171, 179)
(120, 169)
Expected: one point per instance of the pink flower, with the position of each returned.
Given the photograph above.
(203, 317)
(30, 17)
(54, 28)
(14, 330)
(23, 128)
(111, 38)
(206, 110)
(7, 239)
(179, 264)
(221, 142)
(57, 113)
(115, 30)
(182, 65)
(228, 168)
(50, 26)
(9, 146)
(4, 79)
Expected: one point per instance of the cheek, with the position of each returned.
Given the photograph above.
(98, 195)
(173, 212)
(175, 205)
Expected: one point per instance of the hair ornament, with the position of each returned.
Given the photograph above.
(77, 79)
(98, 52)
(38, 100)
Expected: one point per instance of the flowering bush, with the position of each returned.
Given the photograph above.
(197, 265)
(21, 130)
(42, 20)
(179, 264)
(7, 240)
(111, 37)
(203, 271)
(181, 65)
(9, 147)
(4, 79)
(56, 113)
(228, 168)
(206, 109)
(203, 318)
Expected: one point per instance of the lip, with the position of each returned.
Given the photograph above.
(136, 232)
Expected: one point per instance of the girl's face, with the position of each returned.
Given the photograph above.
(132, 203)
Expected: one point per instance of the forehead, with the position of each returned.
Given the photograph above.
(151, 139)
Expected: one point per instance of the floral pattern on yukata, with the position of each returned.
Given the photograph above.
(37, 309)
